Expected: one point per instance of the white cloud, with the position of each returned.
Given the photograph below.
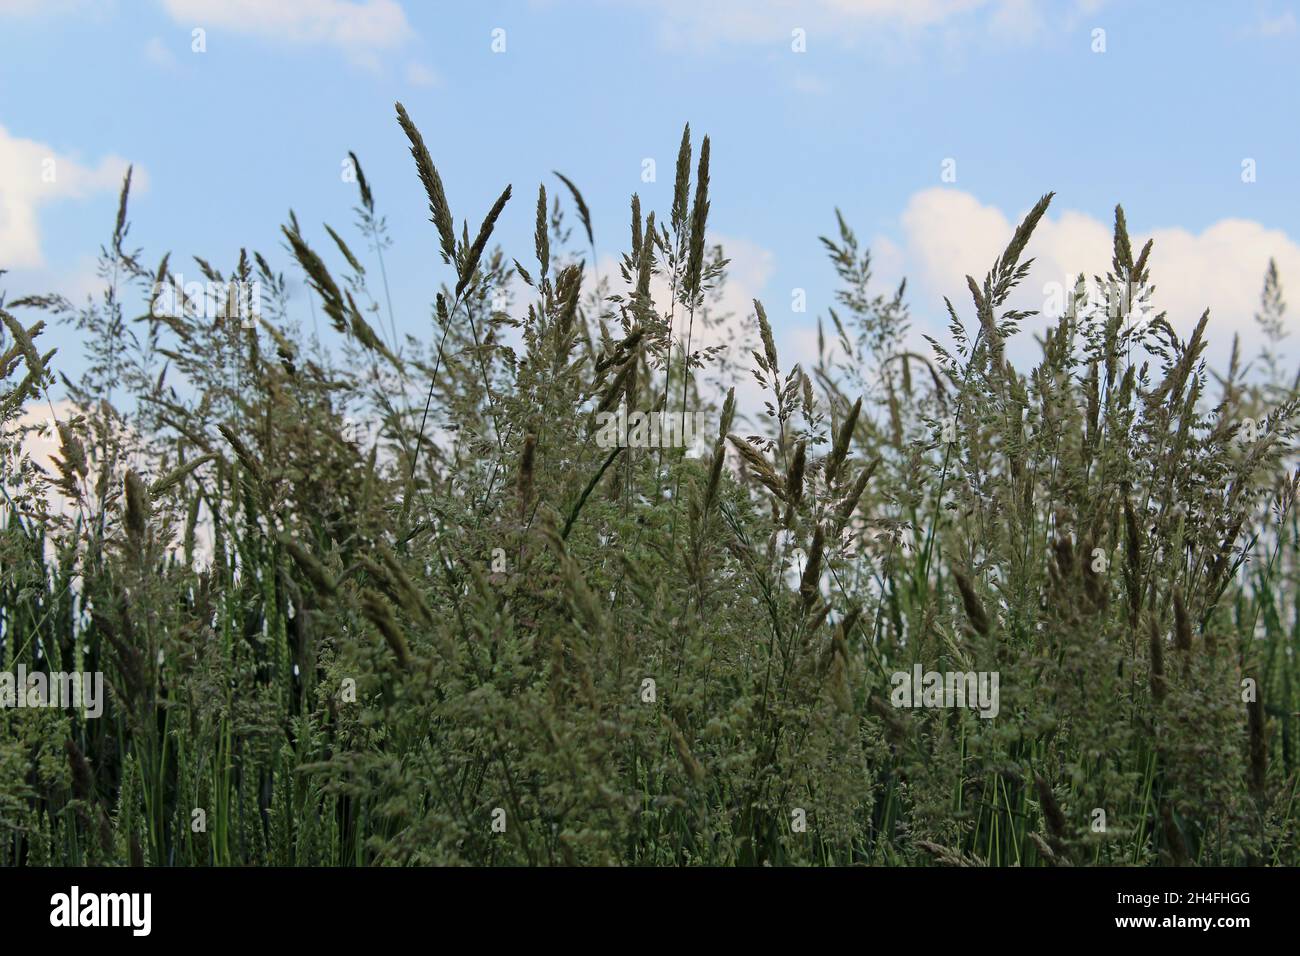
(748, 271)
(157, 53)
(910, 12)
(417, 74)
(689, 23)
(1277, 26)
(1018, 19)
(948, 234)
(362, 29)
(42, 444)
(75, 281)
(32, 173)
(750, 268)
(812, 85)
(32, 8)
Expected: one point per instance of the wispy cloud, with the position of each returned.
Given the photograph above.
(691, 24)
(361, 29)
(417, 74)
(42, 8)
(158, 53)
(1280, 25)
(807, 83)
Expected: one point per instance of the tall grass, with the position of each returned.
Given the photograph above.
(466, 633)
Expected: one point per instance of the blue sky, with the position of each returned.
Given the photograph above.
(226, 140)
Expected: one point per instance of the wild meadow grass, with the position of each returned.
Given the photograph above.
(398, 605)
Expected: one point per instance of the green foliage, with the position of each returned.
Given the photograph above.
(469, 634)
